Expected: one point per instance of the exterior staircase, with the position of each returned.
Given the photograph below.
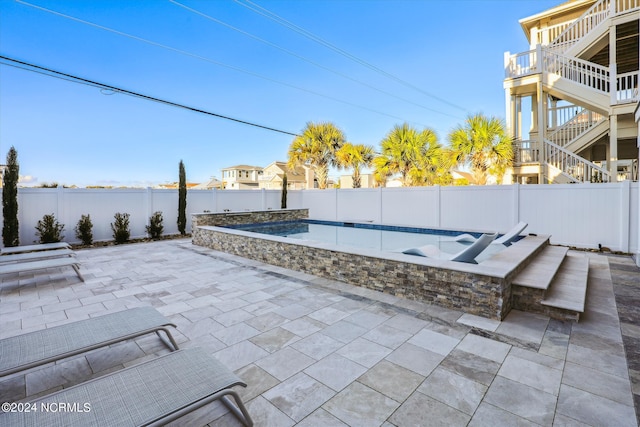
(553, 283)
(592, 89)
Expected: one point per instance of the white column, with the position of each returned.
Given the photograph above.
(612, 158)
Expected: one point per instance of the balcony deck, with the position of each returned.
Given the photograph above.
(320, 352)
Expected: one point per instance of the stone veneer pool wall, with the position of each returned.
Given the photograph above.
(465, 288)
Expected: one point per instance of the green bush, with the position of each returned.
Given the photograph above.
(49, 229)
(182, 199)
(283, 198)
(155, 227)
(120, 227)
(84, 230)
(10, 225)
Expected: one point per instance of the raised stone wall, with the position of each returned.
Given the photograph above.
(473, 293)
(252, 217)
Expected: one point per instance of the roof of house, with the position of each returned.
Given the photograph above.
(243, 167)
(298, 170)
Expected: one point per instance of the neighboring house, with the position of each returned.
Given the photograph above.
(212, 183)
(366, 181)
(297, 179)
(241, 177)
(174, 185)
(581, 80)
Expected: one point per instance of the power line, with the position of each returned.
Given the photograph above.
(183, 52)
(289, 52)
(280, 20)
(70, 77)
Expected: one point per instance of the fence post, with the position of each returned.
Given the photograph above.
(264, 199)
(214, 194)
(335, 191)
(380, 201)
(148, 204)
(516, 203)
(625, 215)
(60, 207)
(438, 206)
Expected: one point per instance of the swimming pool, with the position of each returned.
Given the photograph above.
(370, 236)
(482, 289)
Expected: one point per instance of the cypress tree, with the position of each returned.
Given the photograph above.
(283, 201)
(10, 226)
(182, 200)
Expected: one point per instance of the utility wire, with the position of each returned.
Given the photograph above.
(70, 77)
(310, 61)
(183, 52)
(280, 20)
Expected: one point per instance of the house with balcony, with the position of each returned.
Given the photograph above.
(241, 177)
(299, 178)
(579, 83)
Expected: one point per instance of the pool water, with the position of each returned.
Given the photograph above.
(370, 236)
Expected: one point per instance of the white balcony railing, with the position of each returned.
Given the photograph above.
(577, 70)
(525, 152)
(521, 64)
(627, 87)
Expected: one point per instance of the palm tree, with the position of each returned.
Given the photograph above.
(317, 147)
(484, 145)
(354, 156)
(415, 155)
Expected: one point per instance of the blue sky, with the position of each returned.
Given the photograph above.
(75, 134)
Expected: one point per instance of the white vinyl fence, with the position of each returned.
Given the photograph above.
(581, 215)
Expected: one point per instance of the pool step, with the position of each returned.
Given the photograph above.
(554, 283)
(542, 269)
(568, 291)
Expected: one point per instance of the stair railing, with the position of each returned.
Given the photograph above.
(593, 17)
(574, 128)
(573, 165)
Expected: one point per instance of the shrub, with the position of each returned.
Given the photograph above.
(49, 229)
(182, 199)
(10, 226)
(84, 230)
(155, 227)
(283, 199)
(120, 227)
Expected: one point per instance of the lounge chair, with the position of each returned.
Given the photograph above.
(34, 248)
(41, 264)
(37, 348)
(153, 393)
(507, 239)
(468, 254)
(34, 256)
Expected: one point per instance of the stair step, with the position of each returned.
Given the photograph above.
(568, 290)
(541, 270)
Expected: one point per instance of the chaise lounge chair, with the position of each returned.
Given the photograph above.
(37, 348)
(35, 256)
(41, 264)
(152, 393)
(507, 239)
(34, 248)
(468, 254)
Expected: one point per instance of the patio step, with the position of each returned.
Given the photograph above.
(542, 269)
(568, 291)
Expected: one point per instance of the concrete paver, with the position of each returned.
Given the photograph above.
(318, 352)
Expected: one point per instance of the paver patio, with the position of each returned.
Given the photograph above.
(315, 352)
